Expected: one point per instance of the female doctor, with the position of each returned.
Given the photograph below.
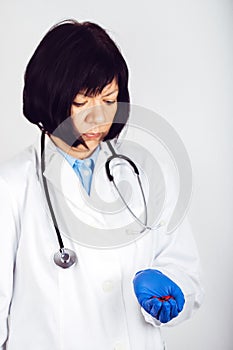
(58, 289)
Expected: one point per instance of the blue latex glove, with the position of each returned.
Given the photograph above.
(158, 294)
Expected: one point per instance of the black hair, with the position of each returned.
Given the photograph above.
(72, 57)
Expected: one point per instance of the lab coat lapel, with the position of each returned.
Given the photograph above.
(69, 198)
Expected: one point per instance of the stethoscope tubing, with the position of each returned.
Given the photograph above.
(66, 257)
(60, 241)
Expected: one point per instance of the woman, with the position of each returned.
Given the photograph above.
(112, 298)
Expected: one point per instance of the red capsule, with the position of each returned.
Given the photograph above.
(164, 298)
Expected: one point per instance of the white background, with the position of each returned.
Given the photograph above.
(180, 56)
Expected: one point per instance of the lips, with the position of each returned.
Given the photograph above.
(92, 135)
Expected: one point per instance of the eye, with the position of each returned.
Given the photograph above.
(78, 104)
(110, 102)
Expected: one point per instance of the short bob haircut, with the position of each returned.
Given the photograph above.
(73, 57)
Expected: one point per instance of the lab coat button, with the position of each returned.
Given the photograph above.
(119, 346)
(107, 286)
(86, 172)
(87, 162)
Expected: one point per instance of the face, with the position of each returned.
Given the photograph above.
(92, 116)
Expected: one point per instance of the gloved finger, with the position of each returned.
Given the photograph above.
(173, 306)
(152, 306)
(156, 307)
(147, 305)
(165, 313)
(179, 297)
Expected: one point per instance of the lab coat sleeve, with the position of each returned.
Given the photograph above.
(8, 246)
(179, 260)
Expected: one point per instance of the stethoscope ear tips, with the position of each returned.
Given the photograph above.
(65, 258)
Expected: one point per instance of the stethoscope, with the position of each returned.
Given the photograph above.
(66, 257)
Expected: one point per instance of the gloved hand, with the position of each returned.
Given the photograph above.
(158, 294)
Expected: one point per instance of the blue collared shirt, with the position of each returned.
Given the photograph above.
(83, 167)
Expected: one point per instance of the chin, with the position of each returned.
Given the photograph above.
(92, 144)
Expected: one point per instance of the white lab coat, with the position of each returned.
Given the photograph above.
(91, 305)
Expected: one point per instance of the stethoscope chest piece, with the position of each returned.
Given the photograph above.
(65, 258)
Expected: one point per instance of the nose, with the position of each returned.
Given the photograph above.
(96, 115)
